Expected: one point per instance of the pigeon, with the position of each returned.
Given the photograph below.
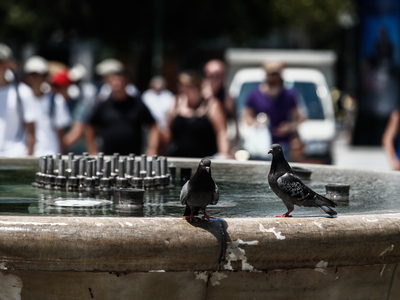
(199, 191)
(290, 188)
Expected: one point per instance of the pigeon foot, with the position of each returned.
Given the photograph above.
(287, 215)
(206, 217)
(191, 217)
(194, 219)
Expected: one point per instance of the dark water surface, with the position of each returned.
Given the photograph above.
(244, 192)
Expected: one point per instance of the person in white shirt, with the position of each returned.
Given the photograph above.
(160, 102)
(51, 109)
(17, 113)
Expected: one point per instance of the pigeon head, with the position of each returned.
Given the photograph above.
(205, 164)
(279, 162)
(276, 149)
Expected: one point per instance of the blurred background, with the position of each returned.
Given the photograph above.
(354, 44)
(161, 37)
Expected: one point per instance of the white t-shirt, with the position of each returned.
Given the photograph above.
(159, 105)
(12, 132)
(46, 126)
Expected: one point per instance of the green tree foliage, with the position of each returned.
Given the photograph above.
(119, 22)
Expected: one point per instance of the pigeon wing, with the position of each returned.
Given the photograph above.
(294, 187)
(215, 196)
(184, 193)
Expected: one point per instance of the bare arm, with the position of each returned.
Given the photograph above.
(249, 116)
(90, 133)
(291, 126)
(60, 135)
(218, 120)
(152, 145)
(74, 134)
(230, 107)
(389, 137)
(30, 137)
(170, 118)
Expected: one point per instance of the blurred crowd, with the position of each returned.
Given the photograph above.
(48, 108)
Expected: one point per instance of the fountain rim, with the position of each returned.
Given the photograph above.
(107, 244)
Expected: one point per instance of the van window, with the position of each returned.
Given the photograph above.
(308, 95)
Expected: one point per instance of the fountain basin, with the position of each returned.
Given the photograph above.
(47, 257)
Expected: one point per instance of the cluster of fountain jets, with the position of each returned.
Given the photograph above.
(100, 173)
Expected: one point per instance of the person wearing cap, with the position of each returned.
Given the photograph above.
(278, 103)
(17, 114)
(118, 121)
(60, 84)
(80, 97)
(51, 110)
(105, 69)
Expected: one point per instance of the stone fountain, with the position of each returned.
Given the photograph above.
(244, 253)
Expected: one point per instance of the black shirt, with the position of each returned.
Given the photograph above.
(119, 125)
(192, 137)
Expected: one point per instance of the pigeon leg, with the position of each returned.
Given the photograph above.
(191, 217)
(206, 216)
(285, 215)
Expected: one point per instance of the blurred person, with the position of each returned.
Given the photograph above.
(17, 113)
(80, 99)
(107, 68)
(213, 86)
(278, 103)
(214, 71)
(51, 109)
(119, 120)
(80, 88)
(159, 101)
(391, 140)
(197, 125)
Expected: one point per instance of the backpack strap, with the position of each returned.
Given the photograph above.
(52, 110)
(20, 110)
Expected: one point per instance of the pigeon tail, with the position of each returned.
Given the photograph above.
(324, 204)
(328, 210)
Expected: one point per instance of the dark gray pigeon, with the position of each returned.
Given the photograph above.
(290, 188)
(199, 191)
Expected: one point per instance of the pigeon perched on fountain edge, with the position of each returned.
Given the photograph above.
(199, 191)
(290, 188)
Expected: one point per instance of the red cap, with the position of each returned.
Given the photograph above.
(61, 78)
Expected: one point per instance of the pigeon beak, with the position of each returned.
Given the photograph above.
(208, 169)
(270, 151)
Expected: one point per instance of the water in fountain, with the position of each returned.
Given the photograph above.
(244, 191)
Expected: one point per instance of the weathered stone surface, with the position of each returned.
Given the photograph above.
(108, 244)
(142, 244)
(303, 242)
(355, 283)
(42, 285)
(331, 283)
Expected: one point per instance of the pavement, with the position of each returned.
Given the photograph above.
(346, 155)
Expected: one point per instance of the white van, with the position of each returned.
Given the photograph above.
(318, 131)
